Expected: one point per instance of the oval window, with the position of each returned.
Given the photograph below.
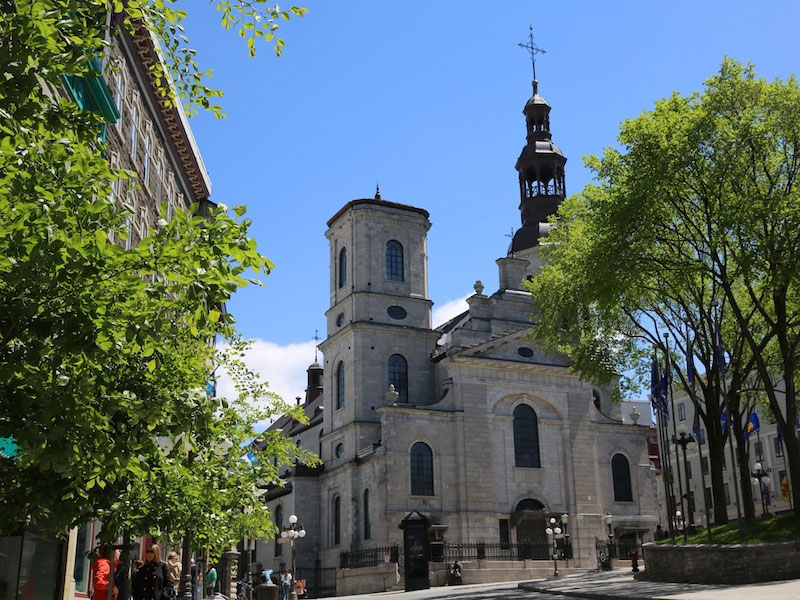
(397, 312)
(340, 320)
(525, 352)
(339, 450)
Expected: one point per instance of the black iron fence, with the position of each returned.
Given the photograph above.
(320, 582)
(452, 551)
(369, 557)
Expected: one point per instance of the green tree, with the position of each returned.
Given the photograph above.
(102, 349)
(698, 204)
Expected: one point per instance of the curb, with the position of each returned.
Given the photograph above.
(531, 587)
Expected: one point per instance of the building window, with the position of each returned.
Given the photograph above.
(778, 447)
(704, 465)
(80, 568)
(339, 450)
(367, 527)
(147, 160)
(134, 130)
(394, 261)
(421, 470)
(681, 412)
(119, 94)
(701, 436)
(526, 437)
(398, 376)
(340, 385)
(278, 524)
(342, 267)
(505, 533)
(759, 448)
(709, 498)
(621, 473)
(337, 521)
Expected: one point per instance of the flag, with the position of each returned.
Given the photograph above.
(752, 426)
(785, 488)
(655, 387)
(723, 420)
(798, 422)
(778, 436)
(719, 356)
(696, 425)
(690, 374)
(663, 394)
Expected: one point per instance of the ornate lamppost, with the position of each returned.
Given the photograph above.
(761, 479)
(290, 533)
(684, 440)
(609, 519)
(554, 533)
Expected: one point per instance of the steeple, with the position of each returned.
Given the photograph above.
(540, 167)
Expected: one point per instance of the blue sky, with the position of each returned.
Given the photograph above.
(425, 98)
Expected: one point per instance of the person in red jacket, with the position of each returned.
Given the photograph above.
(100, 573)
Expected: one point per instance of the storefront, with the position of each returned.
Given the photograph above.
(31, 566)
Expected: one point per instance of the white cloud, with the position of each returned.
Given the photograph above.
(282, 367)
(448, 310)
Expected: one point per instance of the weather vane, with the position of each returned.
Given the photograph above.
(532, 49)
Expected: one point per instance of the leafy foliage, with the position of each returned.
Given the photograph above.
(103, 349)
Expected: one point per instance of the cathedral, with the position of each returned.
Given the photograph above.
(468, 426)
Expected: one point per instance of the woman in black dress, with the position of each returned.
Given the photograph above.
(152, 580)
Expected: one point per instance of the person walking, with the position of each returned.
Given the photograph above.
(152, 580)
(174, 568)
(101, 570)
(211, 580)
(286, 583)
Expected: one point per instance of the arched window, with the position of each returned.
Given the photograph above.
(621, 473)
(340, 385)
(421, 470)
(342, 267)
(337, 523)
(367, 527)
(398, 376)
(526, 437)
(394, 261)
(279, 525)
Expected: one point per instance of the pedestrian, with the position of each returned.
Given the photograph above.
(137, 564)
(174, 567)
(211, 579)
(101, 570)
(457, 573)
(195, 587)
(659, 533)
(286, 583)
(152, 579)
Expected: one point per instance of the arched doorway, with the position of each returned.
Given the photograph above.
(529, 520)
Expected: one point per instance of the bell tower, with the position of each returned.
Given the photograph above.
(541, 169)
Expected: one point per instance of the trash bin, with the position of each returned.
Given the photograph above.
(267, 591)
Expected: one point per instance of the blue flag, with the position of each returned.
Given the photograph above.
(663, 394)
(752, 426)
(719, 357)
(778, 436)
(723, 418)
(655, 387)
(696, 425)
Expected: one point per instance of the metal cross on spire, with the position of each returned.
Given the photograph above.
(532, 49)
(316, 338)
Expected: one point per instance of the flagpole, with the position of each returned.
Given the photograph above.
(665, 476)
(675, 437)
(729, 420)
(690, 357)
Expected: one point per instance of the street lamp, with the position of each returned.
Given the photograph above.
(609, 519)
(554, 532)
(684, 440)
(289, 534)
(761, 479)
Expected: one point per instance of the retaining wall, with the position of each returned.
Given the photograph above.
(725, 564)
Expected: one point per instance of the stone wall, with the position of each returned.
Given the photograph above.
(725, 564)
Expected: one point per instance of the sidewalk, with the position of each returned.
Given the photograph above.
(625, 585)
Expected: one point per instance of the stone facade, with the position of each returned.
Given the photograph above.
(445, 432)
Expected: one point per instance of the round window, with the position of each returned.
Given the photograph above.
(340, 320)
(339, 450)
(396, 312)
(525, 352)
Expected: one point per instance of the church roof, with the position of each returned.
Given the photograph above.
(376, 202)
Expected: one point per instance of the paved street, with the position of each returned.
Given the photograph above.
(504, 591)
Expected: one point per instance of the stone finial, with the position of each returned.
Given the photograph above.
(392, 395)
(478, 287)
(634, 414)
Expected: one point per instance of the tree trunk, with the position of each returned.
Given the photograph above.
(743, 468)
(792, 443)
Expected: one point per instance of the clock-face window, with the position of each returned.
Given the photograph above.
(525, 352)
(396, 312)
(339, 450)
(340, 320)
